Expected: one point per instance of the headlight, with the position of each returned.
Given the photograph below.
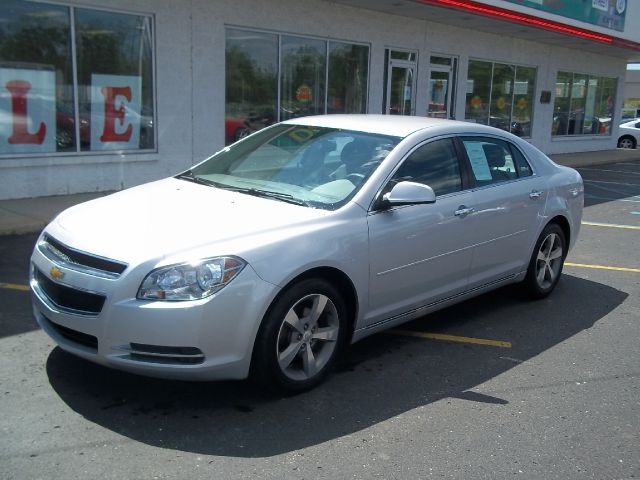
(190, 281)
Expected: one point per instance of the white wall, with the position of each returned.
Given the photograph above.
(632, 84)
(190, 61)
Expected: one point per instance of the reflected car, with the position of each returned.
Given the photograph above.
(629, 134)
(272, 256)
(235, 129)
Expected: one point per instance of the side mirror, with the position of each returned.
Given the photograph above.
(408, 193)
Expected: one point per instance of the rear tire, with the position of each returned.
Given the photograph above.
(300, 337)
(547, 260)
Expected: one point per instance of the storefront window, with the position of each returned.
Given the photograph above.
(523, 92)
(302, 77)
(583, 104)
(314, 77)
(348, 72)
(36, 80)
(478, 91)
(501, 95)
(115, 89)
(114, 66)
(252, 82)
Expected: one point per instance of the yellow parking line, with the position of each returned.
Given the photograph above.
(14, 286)
(451, 338)
(603, 267)
(611, 225)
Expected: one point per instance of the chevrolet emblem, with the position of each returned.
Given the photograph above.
(56, 273)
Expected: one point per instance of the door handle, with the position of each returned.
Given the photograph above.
(463, 211)
(535, 194)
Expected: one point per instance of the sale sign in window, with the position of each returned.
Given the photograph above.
(27, 111)
(115, 112)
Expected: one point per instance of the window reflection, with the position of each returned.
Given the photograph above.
(115, 80)
(583, 104)
(311, 82)
(35, 64)
(434, 164)
(478, 91)
(523, 92)
(501, 95)
(348, 72)
(303, 77)
(251, 82)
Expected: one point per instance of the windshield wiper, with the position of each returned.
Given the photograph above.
(256, 192)
(189, 176)
(284, 197)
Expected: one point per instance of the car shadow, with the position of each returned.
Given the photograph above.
(380, 377)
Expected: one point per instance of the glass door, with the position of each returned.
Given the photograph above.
(439, 94)
(442, 81)
(400, 77)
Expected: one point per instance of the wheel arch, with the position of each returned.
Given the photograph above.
(332, 275)
(563, 223)
(337, 278)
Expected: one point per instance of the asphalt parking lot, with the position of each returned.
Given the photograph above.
(496, 387)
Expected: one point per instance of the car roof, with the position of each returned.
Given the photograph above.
(395, 125)
(629, 123)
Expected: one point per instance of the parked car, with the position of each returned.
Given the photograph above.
(271, 256)
(235, 129)
(629, 134)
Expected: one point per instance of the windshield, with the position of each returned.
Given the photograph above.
(313, 166)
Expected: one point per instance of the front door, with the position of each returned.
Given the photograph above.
(420, 254)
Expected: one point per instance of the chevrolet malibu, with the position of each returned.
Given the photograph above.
(271, 256)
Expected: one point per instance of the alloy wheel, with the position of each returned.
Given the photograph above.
(625, 143)
(308, 337)
(549, 261)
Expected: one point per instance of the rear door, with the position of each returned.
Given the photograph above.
(508, 203)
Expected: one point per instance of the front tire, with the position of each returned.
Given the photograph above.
(300, 337)
(240, 133)
(627, 142)
(547, 260)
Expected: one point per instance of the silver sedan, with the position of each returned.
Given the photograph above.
(271, 256)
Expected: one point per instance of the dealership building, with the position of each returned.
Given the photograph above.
(100, 95)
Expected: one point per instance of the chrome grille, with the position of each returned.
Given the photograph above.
(79, 261)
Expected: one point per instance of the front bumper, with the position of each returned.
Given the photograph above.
(208, 339)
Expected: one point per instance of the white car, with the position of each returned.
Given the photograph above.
(629, 134)
(275, 253)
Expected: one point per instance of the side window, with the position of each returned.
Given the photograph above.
(434, 164)
(491, 160)
(522, 166)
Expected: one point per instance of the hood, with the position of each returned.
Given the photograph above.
(167, 217)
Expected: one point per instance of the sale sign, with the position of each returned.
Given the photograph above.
(27, 111)
(115, 112)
